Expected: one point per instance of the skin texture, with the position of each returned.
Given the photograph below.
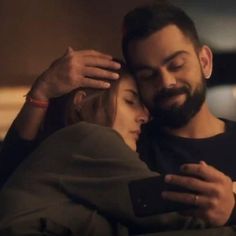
(167, 66)
(75, 69)
(130, 113)
(167, 59)
(215, 199)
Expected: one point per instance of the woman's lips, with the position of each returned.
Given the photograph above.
(136, 134)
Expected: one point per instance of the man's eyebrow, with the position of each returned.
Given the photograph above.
(165, 61)
(172, 56)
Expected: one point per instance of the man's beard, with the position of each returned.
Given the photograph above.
(177, 116)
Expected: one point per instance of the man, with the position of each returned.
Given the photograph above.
(170, 65)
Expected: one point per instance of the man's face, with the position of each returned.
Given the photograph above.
(170, 75)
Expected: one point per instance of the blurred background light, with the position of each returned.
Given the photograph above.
(34, 33)
(222, 101)
(11, 99)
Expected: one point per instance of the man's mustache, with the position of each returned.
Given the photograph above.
(167, 93)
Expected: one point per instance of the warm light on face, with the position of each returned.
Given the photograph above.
(170, 75)
(11, 100)
(130, 113)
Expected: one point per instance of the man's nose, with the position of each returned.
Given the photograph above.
(166, 80)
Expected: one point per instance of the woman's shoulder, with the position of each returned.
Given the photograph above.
(90, 140)
(82, 132)
(85, 128)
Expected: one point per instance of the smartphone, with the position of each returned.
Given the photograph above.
(147, 200)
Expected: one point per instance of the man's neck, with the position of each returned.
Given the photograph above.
(203, 125)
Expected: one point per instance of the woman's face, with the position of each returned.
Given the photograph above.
(130, 112)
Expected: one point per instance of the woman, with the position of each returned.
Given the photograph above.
(76, 182)
(75, 69)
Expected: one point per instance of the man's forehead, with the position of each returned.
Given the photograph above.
(166, 40)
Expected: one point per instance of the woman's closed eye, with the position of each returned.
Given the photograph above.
(131, 98)
(130, 101)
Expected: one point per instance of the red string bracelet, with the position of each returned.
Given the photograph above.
(36, 102)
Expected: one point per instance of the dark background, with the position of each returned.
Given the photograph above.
(35, 32)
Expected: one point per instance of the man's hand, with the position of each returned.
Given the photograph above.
(214, 196)
(76, 69)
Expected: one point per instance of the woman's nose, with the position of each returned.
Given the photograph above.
(143, 116)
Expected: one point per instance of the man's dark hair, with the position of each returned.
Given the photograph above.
(146, 20)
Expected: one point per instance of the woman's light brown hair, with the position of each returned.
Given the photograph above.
(98, 107)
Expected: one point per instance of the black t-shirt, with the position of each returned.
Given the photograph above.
(165, 153)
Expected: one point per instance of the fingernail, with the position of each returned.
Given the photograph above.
(107, 85)
(203, 163)
(69, 50)
(168, 178)
(116, 76)
(118, 66)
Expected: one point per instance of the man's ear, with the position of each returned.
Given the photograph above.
(206, 60)
(78, 99)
